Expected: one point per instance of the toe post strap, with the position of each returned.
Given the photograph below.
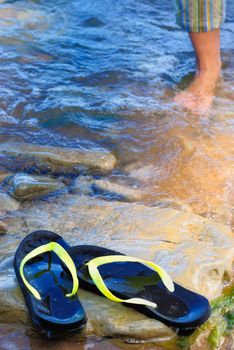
(62, 254)
(98, 280)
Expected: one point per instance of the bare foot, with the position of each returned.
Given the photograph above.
(199, 95)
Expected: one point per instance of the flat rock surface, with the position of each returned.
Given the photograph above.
(195, 251)
(55, 159)
(7, 203)
(105, 318)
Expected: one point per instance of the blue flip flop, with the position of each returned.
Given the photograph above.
(140, 284)
(50, 295)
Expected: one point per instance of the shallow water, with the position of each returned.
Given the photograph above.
(102, 74)
(99, 74)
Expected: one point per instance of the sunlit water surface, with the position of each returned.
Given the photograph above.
(90, 73)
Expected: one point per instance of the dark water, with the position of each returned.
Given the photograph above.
(94, 73)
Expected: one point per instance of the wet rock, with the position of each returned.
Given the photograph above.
(172, 203)
(27, 187)
(139, 172)
(15, 224)
(196, 251)
(187, 145)
(88, 185)
(4, 175)
(56, 159)
(3, 228)
(105, 318)
(116, 191)
(8, 203)
(82, 185)
(12, 306)
(113, 320)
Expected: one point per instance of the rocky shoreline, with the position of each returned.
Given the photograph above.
(69, 191)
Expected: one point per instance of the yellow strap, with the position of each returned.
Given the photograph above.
(62, 254)
(96, 277)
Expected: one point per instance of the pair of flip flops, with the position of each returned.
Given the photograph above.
(49, 270)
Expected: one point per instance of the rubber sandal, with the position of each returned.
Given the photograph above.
(140, 284)
(50, 295)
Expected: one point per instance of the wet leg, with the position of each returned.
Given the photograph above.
(199, 95)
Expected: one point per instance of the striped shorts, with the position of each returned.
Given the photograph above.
(200, 15)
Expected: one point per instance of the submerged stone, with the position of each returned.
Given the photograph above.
(139, 172)
(88, 185)
(117, 191)
(172, 203)
(57, 159)
(3, 228)
(82, 185)
(7, 203)
(27, 187)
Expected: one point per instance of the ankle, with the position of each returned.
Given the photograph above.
(211, 69)
(205, 80)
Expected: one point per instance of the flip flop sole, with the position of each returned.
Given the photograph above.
(182, 309)
(55, 314)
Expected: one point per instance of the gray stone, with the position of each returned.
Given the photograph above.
(7, 203)
(139, 172)
(115, 190)
(3, 228)
(57, 159)
(4, 175)
(82, 185)
(88, 185)
(28, 187)
(15, 224)
(172, 203)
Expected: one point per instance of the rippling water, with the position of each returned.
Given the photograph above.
(103, 73)
(88, 71)
(95, 73)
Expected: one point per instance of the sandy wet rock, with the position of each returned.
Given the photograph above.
(27, 187)
(7, 203)
(139, 172)
(4, 175)
(113, 319)
(105, 318)
(3, 228)
(197, 252)
(57, 159)
(199, 172)
(82, 185)
(88, 185)
(115, 190)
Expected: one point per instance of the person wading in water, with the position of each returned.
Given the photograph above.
(202, 20)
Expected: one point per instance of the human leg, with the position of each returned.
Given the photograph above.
(204, 32)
